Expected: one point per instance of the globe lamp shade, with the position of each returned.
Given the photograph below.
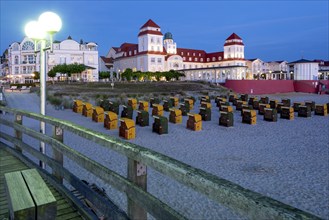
(34, 31)
(50, 22)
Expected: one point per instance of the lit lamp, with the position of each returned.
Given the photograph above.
(48, 23)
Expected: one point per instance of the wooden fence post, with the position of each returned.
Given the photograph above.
(137, 173)
(58, 156)
(18, 134)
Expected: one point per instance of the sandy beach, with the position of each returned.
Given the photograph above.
(285, 160)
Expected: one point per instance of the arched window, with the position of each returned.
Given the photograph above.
(28, 45)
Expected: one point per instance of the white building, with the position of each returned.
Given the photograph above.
(155, 52)
(304, 69)
(23, 60)
(275, 70)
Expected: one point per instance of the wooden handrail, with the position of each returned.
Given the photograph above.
(246, 202)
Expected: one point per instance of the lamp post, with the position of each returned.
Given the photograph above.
(48, 23)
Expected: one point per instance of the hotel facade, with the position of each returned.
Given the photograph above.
(22, 59)
(157, 52)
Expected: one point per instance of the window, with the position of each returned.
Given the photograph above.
(158, 48)
(219, 58)
(188, 54)
(158, 41)
(190, 58)
(196, 59)
(201, 59)
(152, 60)
(159, 60)
(184, 58)
(129, 53)
(16, 59)
(208, 59)
(16, 70)
(199, 54)
(193, 54)
(152, 40)
(28, 45)
(213, 59)
(182, 53)
(152, 48)
(30, 58)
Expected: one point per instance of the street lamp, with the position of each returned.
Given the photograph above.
(48, 23)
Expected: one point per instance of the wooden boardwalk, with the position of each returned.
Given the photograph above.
(9, 163)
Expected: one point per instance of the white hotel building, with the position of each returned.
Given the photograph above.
(158, 52)
(21, 59)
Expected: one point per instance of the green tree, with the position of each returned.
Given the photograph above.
(36, 75)
(103, 75)
(127, 74)
(69, 69)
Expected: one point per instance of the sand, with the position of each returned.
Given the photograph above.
(285, 160)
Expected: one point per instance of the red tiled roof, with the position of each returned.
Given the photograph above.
(150, 32)
(116, 49)
(234, 36)
(107, 59)
(230, 40)
(150, 23)
(215, 55)
(193, 54)
(233, 43)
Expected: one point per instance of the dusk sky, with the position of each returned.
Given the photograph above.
(271, 30)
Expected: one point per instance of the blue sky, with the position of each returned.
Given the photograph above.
(271, 30)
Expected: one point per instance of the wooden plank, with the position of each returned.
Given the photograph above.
(44, 200)
(68, 216)
(65, 211)
(20, 201)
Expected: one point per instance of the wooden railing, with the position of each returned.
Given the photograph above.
(140, 202)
